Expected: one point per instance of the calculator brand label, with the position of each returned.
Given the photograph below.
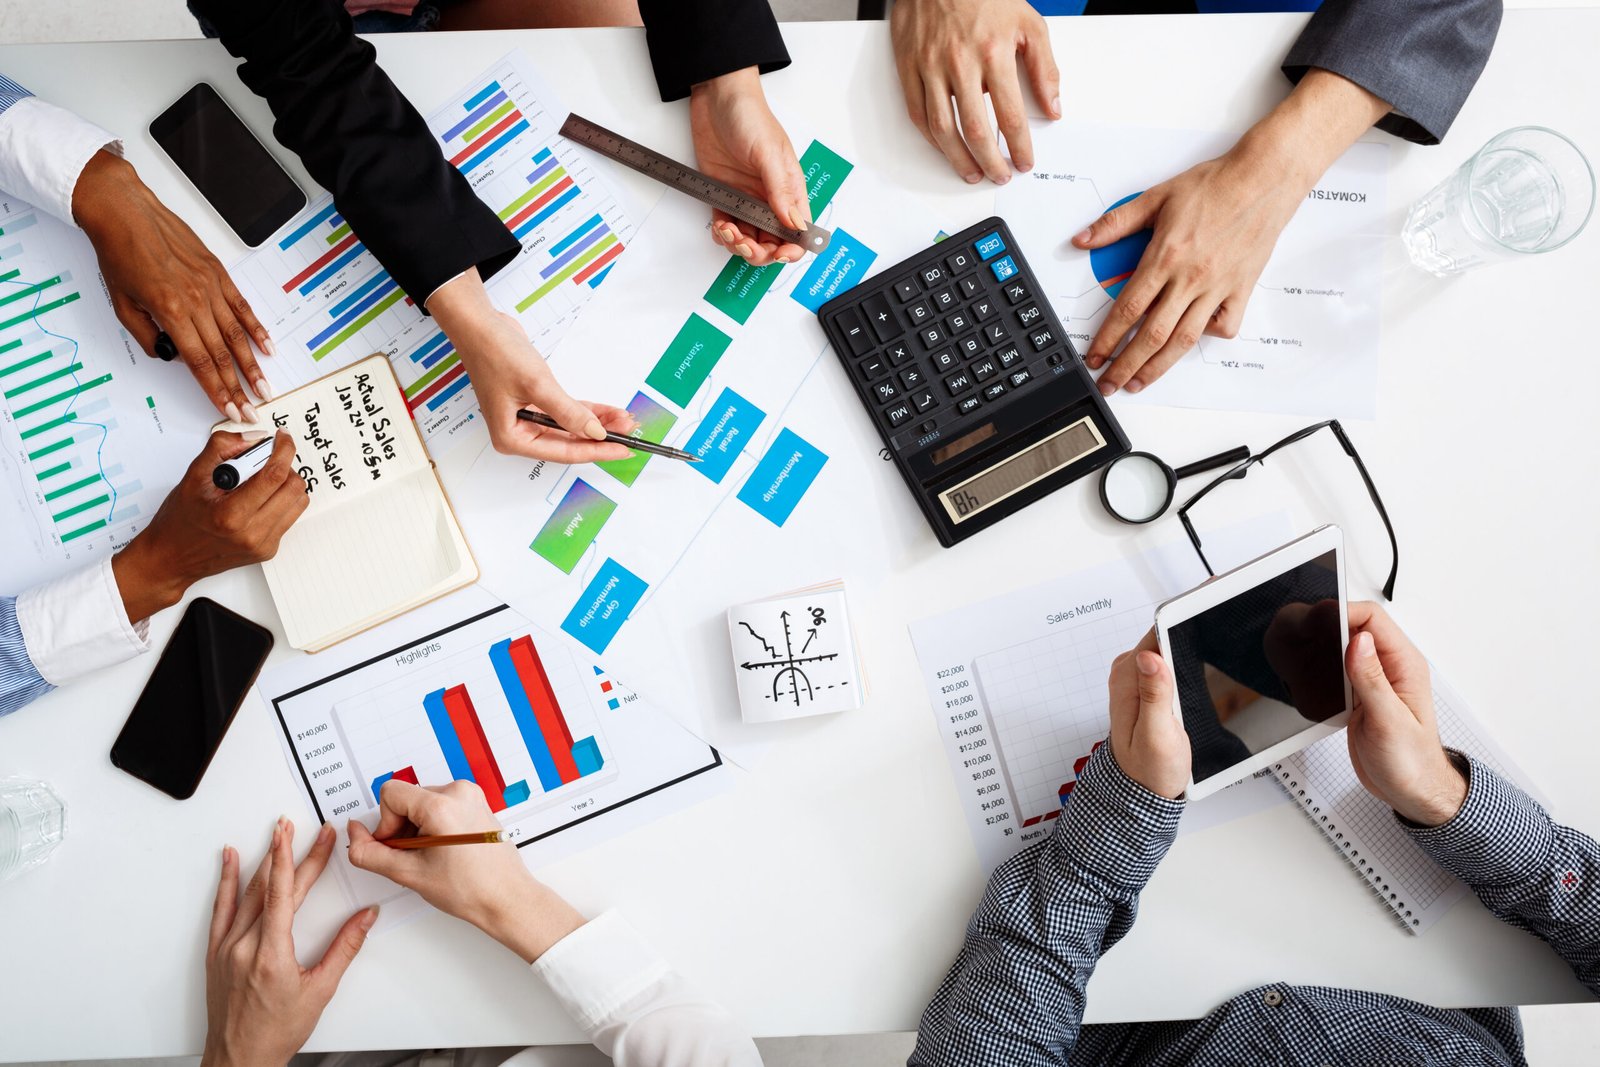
(573, 526)
(782, 477)
(836, 270)
(604, 606)
(688, 361)
(727, 428)
(653, 421)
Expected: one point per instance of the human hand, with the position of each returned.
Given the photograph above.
(201, 530)
(509, 374)
(739, 142)
(1394, 741)
(486, 885)
(1147, 736)
(960, 49)
(161, 278)
(261, 1005)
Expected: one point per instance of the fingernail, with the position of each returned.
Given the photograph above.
(805, 212)
(1135, 385)
(325, 831)
(232, 411)
(743, 248)
(595, 430)
(369, 917)
(973, 179)
(1055, 107)
(250, 413)
(1146, 662)
(1084, 234)
(1094, 362)
(1363, 644)
(268, 347)
(1106, 389)
(263, 390)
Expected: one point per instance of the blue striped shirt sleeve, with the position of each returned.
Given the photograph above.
(10, 93)
(20, 680)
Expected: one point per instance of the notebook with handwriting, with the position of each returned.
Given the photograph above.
(1364, 830)
(379, 537)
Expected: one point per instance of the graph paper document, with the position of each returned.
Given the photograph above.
(327, 300)
(1018, 687)
(467, 689)
(93, 433)
(1364, 831)
(1308, 343)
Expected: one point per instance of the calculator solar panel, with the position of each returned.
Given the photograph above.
(970, 379)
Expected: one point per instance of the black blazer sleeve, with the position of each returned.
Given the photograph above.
(359, 137)
(1422, 56)
(696, 40)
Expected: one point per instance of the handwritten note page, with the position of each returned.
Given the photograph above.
(378, 537)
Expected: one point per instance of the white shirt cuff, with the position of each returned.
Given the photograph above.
(600, 966)
(78, 624)
(43, 150)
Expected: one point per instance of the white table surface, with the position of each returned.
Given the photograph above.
(828, 893)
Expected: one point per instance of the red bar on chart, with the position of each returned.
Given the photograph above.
(544, 198)
(552, 724)
(597, 266)
(485, 771)
(321, 261)
(500, 127)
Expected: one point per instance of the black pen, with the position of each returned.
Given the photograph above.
(539, 418)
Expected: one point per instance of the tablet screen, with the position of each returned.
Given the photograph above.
(1261, 666)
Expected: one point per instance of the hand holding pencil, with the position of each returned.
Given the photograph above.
(485, 883)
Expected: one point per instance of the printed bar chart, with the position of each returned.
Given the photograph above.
(405, 774)
(544, 729)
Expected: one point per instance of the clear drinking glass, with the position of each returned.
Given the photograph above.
(1529, 190)
(33, 820)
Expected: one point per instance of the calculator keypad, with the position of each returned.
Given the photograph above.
(953, 334)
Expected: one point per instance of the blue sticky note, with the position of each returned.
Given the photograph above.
(605, 605)
(1003, 268)
(717, 442)
(782, 477)
(835, 270)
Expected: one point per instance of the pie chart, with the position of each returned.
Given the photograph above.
(1113, 264)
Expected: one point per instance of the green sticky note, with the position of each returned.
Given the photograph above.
(573, 526)
(825, 171)
(688, 361)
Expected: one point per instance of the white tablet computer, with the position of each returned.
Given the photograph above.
(1258, 658)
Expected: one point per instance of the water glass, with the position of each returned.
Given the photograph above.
(1529, 190)
(33, 820)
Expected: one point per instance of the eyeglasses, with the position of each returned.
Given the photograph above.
(1243, 468)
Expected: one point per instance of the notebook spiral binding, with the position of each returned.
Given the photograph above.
(1367, 868)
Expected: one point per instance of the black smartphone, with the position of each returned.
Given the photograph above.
(233, 170)
(191, 698)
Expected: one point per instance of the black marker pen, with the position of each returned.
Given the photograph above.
(232, 473)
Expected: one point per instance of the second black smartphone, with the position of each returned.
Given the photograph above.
(234, 171)
(191, 698)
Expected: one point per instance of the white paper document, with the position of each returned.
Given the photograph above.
(467, 689)
(640, 559)
(328, 302)
(1308, 344)
(795, 655)
(1018, 687)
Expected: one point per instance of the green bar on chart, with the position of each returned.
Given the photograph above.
(428, 379)
(340, 234)
(47, 449)
(23, 364)
(91, 528)
(483, 124)
(46, 380)
(60, 468)
(77, 390)
(355, 327)
(73, 488)
(33, 313)
(29, 290)
(9, 345)
(594, 252)
(526, 198)
(85, 506)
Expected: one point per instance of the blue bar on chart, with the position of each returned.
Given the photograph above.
(782, 477)
(604, 606)
(455, 757)
(586, 754)
(432, 350)
(719, 439)
(317, 219)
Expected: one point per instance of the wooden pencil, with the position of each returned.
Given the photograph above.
(484, 837)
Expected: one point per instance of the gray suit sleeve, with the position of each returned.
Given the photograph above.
(1422, 56)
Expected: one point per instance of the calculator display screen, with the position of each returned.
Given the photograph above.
(1015, 474)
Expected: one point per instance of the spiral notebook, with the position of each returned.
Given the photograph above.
(1363, 829)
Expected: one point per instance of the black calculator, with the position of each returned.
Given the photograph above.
(983, 402)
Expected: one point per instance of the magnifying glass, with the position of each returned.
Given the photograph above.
(1138, 487)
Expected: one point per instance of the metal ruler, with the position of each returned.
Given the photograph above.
(685, 179)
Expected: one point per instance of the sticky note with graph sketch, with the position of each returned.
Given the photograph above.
(794, 655)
